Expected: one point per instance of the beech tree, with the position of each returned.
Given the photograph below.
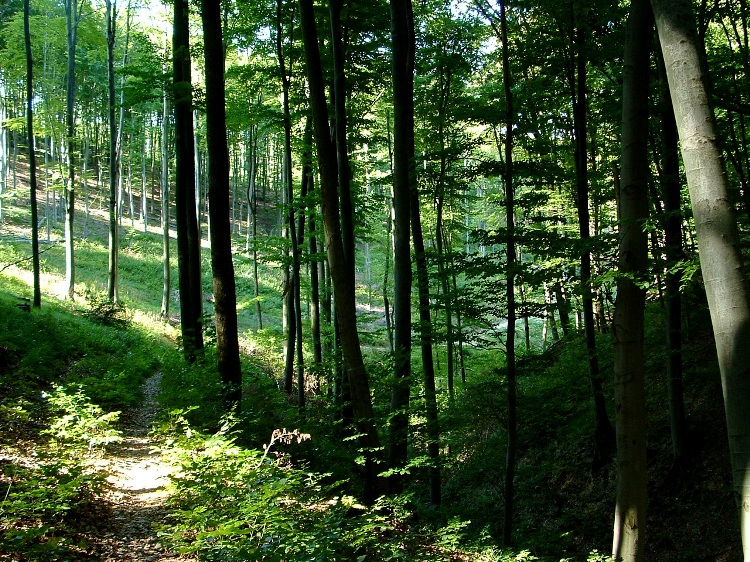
(402, 73)
(72, 19)
(716, 229)
(188, 236)
(341, 271)
(111, 18)
(37, 302)
(225, 299)
(627, 331)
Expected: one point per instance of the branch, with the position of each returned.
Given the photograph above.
(282, 436)
(27, 258)
(729, 105)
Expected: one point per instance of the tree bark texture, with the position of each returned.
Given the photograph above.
(114, 243)
(71, 19)
(188, 237)
(225, 295)
(402, 73)
(341, 273)
(37, 302)
(716, 229)
(510, 295)
(630, 402)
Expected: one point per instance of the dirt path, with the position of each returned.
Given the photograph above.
(138, 477)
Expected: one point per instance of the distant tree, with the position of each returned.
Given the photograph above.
(627, 331)
(37, 302)
(671, 191)
(166, 269)
(603, 432)
(72, 19)
(716, 229)
(111, 19)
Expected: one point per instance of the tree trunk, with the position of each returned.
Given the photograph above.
(603, 432)
(71, 18)
(37, 302)
(402, 72)
(510, 252)
(671, 193)
(166, 270)
(111, 18)
(290, 279)
(716, 229)
(341, 272)
(225, 299)
(340, 133)
(630, 404)
(188, 238)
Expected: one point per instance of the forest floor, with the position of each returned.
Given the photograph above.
(138, 477)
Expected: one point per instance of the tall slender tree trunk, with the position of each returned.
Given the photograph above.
(341, 272)
(72, 18)
(37, 302)
(188, 236)
(402, 71)
(716, 229)
(290, 280)
(340, 132)
(628, 541)
(671, 193)
(225, 295)
(510, 296)
(603, 432)
(166, 269)
(111, 18)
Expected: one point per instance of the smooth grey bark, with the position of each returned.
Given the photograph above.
(37, 301)
(628, 543)
(716, 230)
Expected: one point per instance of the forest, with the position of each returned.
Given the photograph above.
(444, 280)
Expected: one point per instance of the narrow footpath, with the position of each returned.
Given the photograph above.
(138, 477)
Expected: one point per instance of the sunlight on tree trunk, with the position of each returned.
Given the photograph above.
(716, 229)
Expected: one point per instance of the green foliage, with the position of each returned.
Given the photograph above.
(105, 311)
(79, 422)
(46, 496)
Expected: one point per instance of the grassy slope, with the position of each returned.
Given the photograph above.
(562, 510)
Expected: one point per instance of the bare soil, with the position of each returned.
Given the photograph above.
(138, 477)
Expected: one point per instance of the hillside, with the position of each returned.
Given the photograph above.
(563, 511)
